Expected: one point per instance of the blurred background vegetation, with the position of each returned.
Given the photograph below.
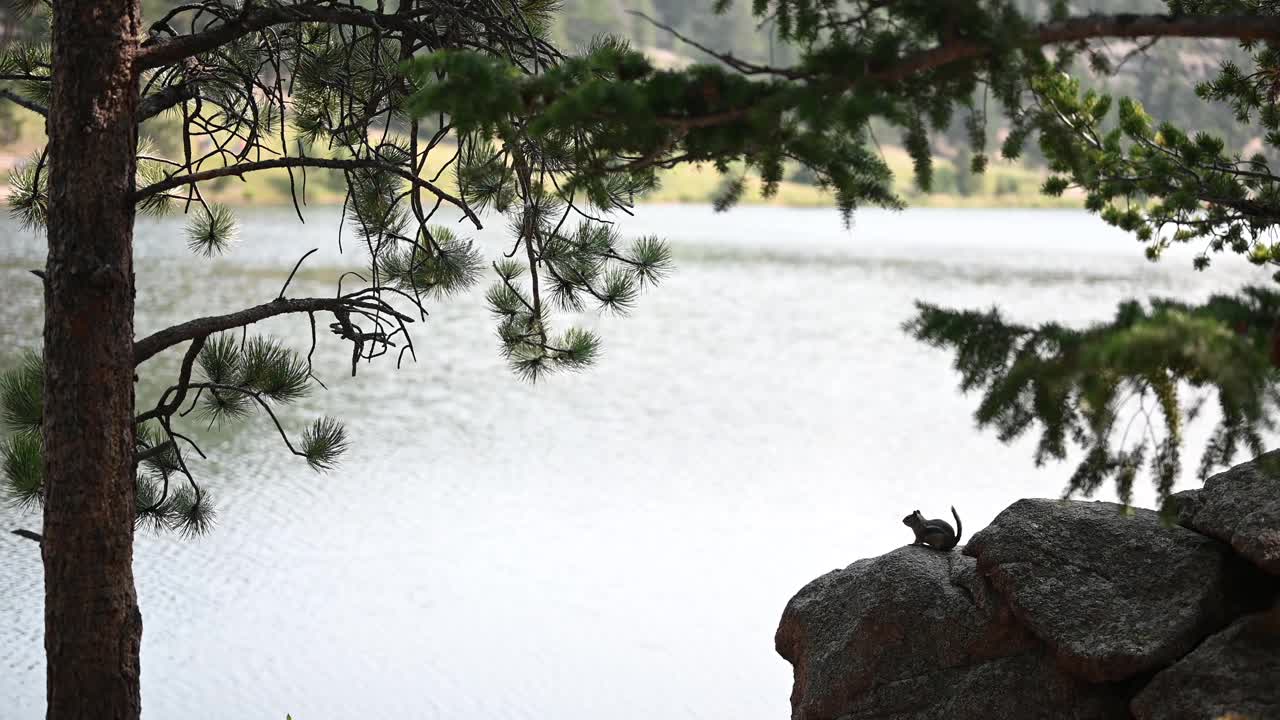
(1162, 77)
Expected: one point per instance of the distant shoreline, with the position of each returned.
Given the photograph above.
(1003, 186)
(937, 202)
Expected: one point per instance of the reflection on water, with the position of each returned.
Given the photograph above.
(616, 544)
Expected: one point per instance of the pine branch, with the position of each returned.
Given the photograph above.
(240, 169)
(169, 97)
(157, 342)
(159, 52)
(153, 452)
(184, 380)
(1094, 27)
(261, 402)
(742, 66)
(28, 535)
(21, 101)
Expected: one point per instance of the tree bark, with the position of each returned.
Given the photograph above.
(92, 625)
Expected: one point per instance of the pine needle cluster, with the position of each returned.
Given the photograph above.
(1120, 392)
(238, 377)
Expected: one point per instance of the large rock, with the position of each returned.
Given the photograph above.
(1235, 674)
(1112, 594)
(1242, 507)
(916, 633)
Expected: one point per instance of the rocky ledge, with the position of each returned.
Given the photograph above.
(1058, 610)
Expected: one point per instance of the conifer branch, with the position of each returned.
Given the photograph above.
(28, 534)
(169, 407)
(260, 401)
(160, 52)
(241, 169)
(153, 452)
(1093, 27)
(1096, 27)
(418, 23)
(169, 97)
(157, 342)
(742, 66)
(21, 101)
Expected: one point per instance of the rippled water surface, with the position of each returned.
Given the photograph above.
(615, 544)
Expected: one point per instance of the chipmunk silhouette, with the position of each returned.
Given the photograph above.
(937, 534)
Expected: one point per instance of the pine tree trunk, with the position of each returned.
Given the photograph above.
(92, 626)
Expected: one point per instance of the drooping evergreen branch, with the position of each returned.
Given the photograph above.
(238, 375)
(1087, 387)
(261, 402)
(1095, 27)
(914, 66)
(1153, 179)
(898, 70)
(340, 68)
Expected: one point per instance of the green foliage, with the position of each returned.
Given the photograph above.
(21, 396)
(167, 460)
(341, 83)
(151, 506)
(327, 88)
(483, 178)
(1113, 390)
(161, 502)
(211, 230)
(439, 264)
(29, 189)
(220, 360)
(150, 170)
(377, 215)
(29, 63)
(254, 373)
(29, 192)
(863, 63)
(625, 114)
(323, 443)
(554, 185)
(729, 193)
(586, 265)
(190, 511)
(1150, 178)
(23, 467)
(21, 412)
(239, 376)
(238, 373)
(272, 370)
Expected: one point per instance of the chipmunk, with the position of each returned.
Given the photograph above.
(937, 534)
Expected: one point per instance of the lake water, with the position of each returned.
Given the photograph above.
(615, 544)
